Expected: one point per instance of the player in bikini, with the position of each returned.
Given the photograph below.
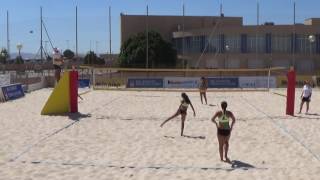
(182, 110)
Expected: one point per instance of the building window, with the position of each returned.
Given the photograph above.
(256, 43)
(304, 46)
(234, 43)
(281, 43)
(212, 43)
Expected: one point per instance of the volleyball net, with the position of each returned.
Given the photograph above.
(188, 79)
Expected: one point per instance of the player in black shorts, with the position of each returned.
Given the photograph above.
(224, 129)
(182, 110)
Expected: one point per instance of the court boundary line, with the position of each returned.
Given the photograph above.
(41, 140)
(157, 167)
(52, 134)
(284, 129)
(152, 119)
(279, 94)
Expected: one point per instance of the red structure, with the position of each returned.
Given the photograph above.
(73, 91)
(291, 92)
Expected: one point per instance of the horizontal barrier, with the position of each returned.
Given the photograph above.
(12, 92)
(193, 82)
(282, 80)
(145, 83)
(2, 98)
(181, 82)
(37, 85)
(223, 82)
(83, 83)
(4, 79)
(184, 70)
(257, 82)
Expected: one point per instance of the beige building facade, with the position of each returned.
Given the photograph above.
(224, 42)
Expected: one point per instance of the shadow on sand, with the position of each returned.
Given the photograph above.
(313, 114)
(194, 137)
(171, 137)
(308, 116)
(235, 164)
(78, 116)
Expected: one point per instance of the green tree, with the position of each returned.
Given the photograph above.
(92, 58)
(3, 56)
(68, 54)
(19, 60)
(161, 53)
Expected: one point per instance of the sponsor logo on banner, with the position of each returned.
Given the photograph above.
(4, 79)
(12, 92)
(181, 82)
(223, 82)
(145, 83)
(83, 83)
(257, 82)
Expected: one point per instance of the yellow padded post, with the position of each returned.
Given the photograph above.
(59, 100)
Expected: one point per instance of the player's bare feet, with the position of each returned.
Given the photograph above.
(227, 160)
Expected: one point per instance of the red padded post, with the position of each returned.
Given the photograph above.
(291, 87)
(73, 91)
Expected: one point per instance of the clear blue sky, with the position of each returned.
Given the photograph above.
(59, 16)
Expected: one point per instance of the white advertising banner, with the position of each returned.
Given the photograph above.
(4, 79)
(181, 82)
(257, 82)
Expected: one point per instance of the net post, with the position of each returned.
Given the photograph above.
(291, 91)
(269, 74)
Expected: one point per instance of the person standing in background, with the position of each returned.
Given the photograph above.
(57, 61)
(203, 86)
(306, 96)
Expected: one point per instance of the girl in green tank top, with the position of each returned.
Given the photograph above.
(224, 121)
(224, 129)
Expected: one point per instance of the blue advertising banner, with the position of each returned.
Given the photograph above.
(12, 92)
(145, 83)
(82, 83)
(223, 82)
(181, 82)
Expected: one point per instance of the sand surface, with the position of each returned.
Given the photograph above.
(117, 136)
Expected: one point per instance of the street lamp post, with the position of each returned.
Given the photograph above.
(19, 47)
(3, 58)
(311, 39)
(227, 48)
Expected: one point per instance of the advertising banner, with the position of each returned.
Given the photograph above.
(257, 82)
(223, 82)
(145, 83)
(12, 92)
(4, 79)
(83, 83)
(282, 80)
(181, 82)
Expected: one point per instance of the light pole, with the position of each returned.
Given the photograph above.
(19, 47)
(227, 47)
(311, 39)
(3, 58)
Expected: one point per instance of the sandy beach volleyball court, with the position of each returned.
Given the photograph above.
(117, 136)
